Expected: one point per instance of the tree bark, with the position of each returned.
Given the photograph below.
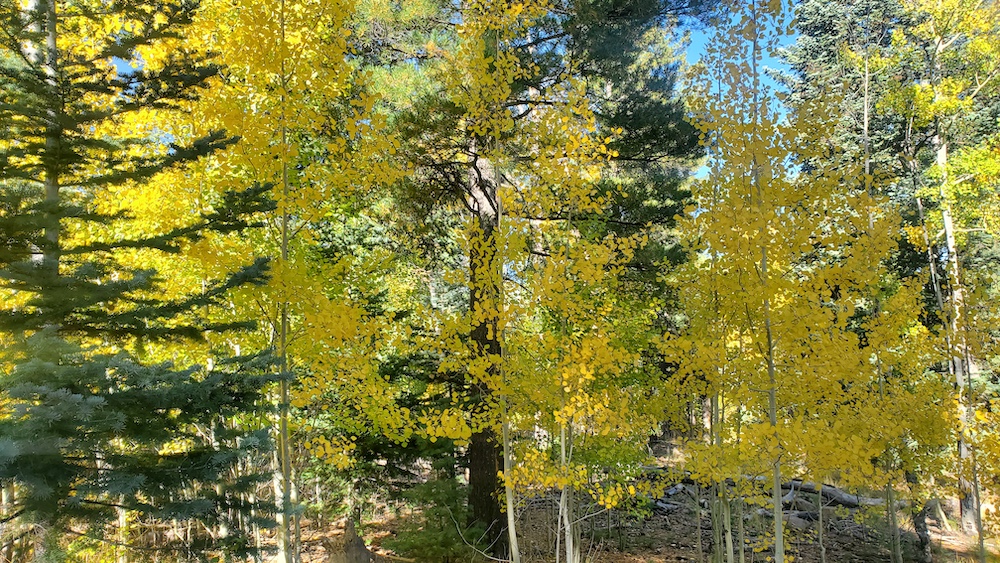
(287, 521)
(770, 350)
(515, 552)
(347, 547)
(959, 351)
(45, 58)
(923, 534)
(47, 18)
(485, 456)
(838, 496)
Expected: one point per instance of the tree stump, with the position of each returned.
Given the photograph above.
(346, 546)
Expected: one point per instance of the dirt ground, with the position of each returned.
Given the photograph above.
(668, 532)
(672, 536)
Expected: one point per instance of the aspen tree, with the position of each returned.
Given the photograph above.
(792, 255)
(576, 373)
(952, 54)
(879, 53)
(309, 132)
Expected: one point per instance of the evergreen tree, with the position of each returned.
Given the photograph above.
(840, 50)
(96, 424)
(444, 119)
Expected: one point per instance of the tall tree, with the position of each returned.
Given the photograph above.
(958, 64)
(919, 95)
(491, 89)
(788, 250)
(98, 425)
(308, 130)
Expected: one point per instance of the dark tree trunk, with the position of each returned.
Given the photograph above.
(484, 490)
(923, 554)
(346, 546)
(485, 271)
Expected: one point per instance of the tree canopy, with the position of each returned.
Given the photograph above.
(519, 264)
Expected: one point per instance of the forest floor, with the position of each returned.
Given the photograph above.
(667, 532)
(673, 537)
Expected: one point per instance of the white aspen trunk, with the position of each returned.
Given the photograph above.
(772, 411)
(287, 551)
(772, 400)
(819, 526)
(890, 507)
(741, 525)
(958, 351)
(44, 20)
(567, 514)
(727, 523)
(772, 392)
(865, 138)
(960, 356)
(715, 492)
(53, 135)
(296, 522)
(715, 519)
(122, 535)
(283, 554)
(508, 489)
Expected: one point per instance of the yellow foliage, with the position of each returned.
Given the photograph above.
(787, 262)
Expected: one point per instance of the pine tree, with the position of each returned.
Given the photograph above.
(98, 426)
(470, 131)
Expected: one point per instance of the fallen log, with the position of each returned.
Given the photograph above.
(837, 496)
(830, 493)
(798, 519)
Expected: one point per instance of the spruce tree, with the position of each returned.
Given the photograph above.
(95, 425)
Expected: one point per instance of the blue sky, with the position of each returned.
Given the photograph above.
(699, 38)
